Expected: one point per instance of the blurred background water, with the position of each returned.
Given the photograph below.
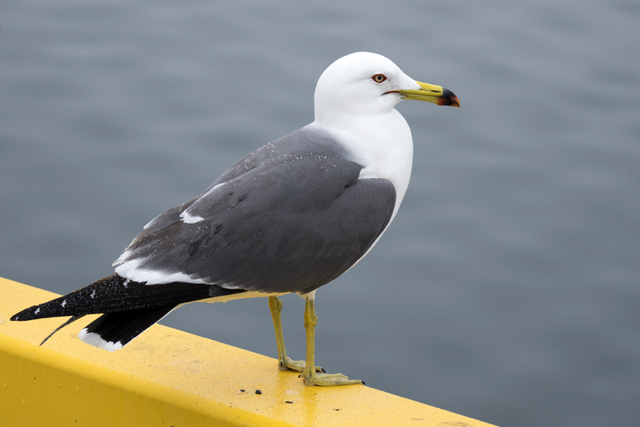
(507, 289)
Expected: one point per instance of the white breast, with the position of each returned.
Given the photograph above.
(382, 144)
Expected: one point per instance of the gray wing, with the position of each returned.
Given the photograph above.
(289, 217)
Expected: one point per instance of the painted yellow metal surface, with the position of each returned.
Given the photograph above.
(167, 377)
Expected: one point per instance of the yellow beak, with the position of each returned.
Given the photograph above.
(432, 93)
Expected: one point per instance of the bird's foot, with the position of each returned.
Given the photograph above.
(295, 365)
(328, 380)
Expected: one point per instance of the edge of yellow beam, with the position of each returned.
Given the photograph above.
(167, 377)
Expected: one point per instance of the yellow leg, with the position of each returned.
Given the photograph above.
(284, 362)
(311, 377)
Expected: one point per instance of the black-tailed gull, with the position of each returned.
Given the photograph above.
(289, 217)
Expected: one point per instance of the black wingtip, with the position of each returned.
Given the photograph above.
(34, 312)
(26, 314)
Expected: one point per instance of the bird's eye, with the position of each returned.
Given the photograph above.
(379, 78)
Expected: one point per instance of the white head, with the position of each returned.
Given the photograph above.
(364, 83)
(360, 83)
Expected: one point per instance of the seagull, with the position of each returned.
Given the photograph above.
(289, 217)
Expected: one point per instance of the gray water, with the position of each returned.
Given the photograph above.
(507, 289)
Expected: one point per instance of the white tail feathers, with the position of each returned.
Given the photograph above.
(96, 340)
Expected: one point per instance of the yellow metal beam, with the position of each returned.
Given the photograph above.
(167, 377)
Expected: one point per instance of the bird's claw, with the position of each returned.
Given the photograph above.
(328, 380)
(295, 365)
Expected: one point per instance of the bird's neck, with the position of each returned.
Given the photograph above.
(381, 143)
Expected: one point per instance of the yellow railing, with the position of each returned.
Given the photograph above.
(166, 378)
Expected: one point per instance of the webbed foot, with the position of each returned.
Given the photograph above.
(328, 380)
(295, 365)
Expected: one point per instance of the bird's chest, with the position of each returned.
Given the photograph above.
(384, 148)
